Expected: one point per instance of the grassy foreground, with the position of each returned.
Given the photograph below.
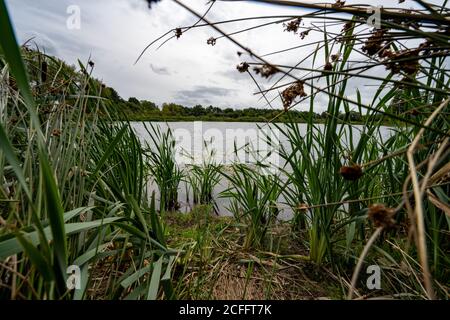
(78, 220)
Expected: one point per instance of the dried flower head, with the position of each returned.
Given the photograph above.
(382, 216)
(91, 63)
(351, 173)
(328, 66)
(266, 70)
(56, 133)
(288, 95)
(335, 57)
(149, 2)
(338, 4)
(211, 41)
(375, 42)
(406, 61)
(178, 32)
(243, 67)
(347, 26)
(293, 25)
(386, 53)
(303, 34)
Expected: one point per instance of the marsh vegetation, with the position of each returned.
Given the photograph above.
(74, 182)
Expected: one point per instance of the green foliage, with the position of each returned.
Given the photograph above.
(75, 181)
(203, 179)
(253, 197)
(163, 167)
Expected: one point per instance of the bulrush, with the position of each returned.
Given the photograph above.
(382, 216)
(292, 92)
(351, 173)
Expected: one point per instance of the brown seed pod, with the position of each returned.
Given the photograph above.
(178, 32)
(338, 4)
(266, 70)
(347, 26)
(375, 42)
(292, 92)
(243, 67)
(351, 173)
(56, 133)
(382, 216)
(211, 41)
(304, 34)
(292, 26)
(328, 66)
(335, 57)
(406, 61)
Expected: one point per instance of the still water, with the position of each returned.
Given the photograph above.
(230, 142)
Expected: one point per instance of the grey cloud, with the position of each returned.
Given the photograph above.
(234, 74)
(113, 33)
(204, 94)
(163, 71)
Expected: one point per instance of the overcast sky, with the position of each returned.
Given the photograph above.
(184, 70)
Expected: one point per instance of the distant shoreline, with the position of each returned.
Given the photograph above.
(241, 120)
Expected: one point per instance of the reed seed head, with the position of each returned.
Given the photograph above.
(56, 133)
(375, 42)
(328, 66)
(266, 70)
(382, 216)
(292, 26)
(351, 173)
(296, 90)
(178, 33)
(338, 4)
(243, 67)
(303, 34)
(211, 41)
(335, 57)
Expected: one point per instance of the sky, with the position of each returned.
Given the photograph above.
(113, 33)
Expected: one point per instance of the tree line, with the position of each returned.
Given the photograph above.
(144, 110)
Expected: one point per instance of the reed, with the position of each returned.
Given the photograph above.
(163, 167)
(74, 183)
(253, 196)
(203, 178)
(72, 195)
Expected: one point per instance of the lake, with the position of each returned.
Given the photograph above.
(227, 143)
